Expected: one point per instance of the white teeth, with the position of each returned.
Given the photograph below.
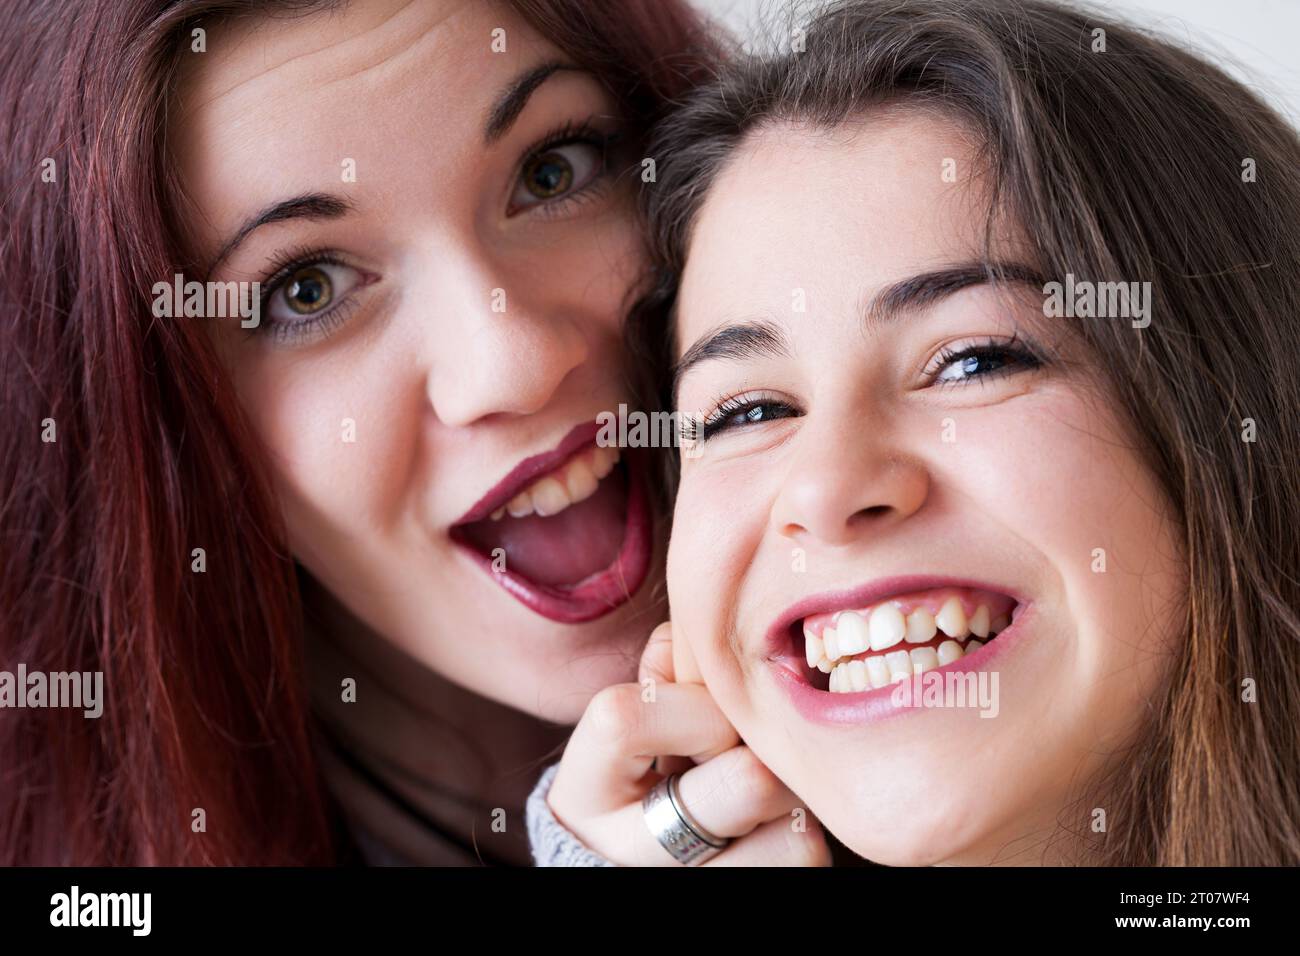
(521, 505)
(549, 497)
(900, 665)
(952, 619)
(858, 676)
(887, 627)
(852, 635)
(831, 644)
(920, 626)
(949, 651)
(877, 671)
(580, 481)
(603, 461)
(924, 659)
(552, 494)
(814, 648)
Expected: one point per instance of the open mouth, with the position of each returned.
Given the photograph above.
(566, 533)
(862, 648)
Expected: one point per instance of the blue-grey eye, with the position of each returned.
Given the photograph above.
(977, 362)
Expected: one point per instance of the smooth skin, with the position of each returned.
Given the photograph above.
(840, 454)
(462, 691)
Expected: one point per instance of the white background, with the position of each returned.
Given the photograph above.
(1258, 41)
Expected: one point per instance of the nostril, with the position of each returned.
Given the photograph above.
(875, 512)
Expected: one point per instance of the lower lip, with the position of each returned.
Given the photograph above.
(841, 710)
(602, 593)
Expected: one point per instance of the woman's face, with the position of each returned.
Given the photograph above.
(903, 442)
(445, 257)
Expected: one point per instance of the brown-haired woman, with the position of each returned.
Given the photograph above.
(309, 310)
(987, 312)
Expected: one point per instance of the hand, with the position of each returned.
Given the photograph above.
(610, 764)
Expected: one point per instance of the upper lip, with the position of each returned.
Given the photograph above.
(530, 469)
(778, 636)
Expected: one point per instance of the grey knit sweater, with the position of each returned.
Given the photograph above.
(551, 842)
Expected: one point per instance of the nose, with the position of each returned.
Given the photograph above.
(847, 483)
(499, 348)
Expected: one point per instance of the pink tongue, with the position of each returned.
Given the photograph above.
(563, 549)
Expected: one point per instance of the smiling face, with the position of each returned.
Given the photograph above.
(445, 257)
(890, 436)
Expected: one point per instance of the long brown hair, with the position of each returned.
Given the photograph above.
(1136, 161)
(151, 459)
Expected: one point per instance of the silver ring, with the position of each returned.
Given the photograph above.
(676, 830)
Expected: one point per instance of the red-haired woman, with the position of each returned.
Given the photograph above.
(340, 536)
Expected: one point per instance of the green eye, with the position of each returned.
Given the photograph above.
(308, 290)
(548, 175)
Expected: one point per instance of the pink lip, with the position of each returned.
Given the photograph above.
(595, 596)
(823, 707)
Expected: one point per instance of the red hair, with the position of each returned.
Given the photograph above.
(205, 692)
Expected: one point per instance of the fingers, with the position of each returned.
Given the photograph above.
(657, 658)
(624, 729)
(778, 843)
(657, 666)
(732, 796)
(734, 793)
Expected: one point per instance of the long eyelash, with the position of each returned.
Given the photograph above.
(288, 261)
(1026, 355)
(727, 406)
(280, 266)
(723, 408)
(566, 134)
(573, 132)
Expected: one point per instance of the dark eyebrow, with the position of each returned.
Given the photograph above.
(514, 98)
(735, 342)
(763, 339)
(923, 290)
(306, 206)
(504, 112)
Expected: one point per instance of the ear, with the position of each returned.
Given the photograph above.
(684, 666)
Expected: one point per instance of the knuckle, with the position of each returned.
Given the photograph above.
(751, 779)
(613, 713)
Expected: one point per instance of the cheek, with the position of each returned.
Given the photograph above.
(587, 269)
(719, 523)
(1063, 476)
(332, 437)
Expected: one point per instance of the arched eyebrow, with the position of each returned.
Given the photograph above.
(735, 342)
(926, 288)
(512, 100)
(307, 206)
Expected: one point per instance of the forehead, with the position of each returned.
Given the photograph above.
(372, 47)
(278, 102)
(831, 212)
